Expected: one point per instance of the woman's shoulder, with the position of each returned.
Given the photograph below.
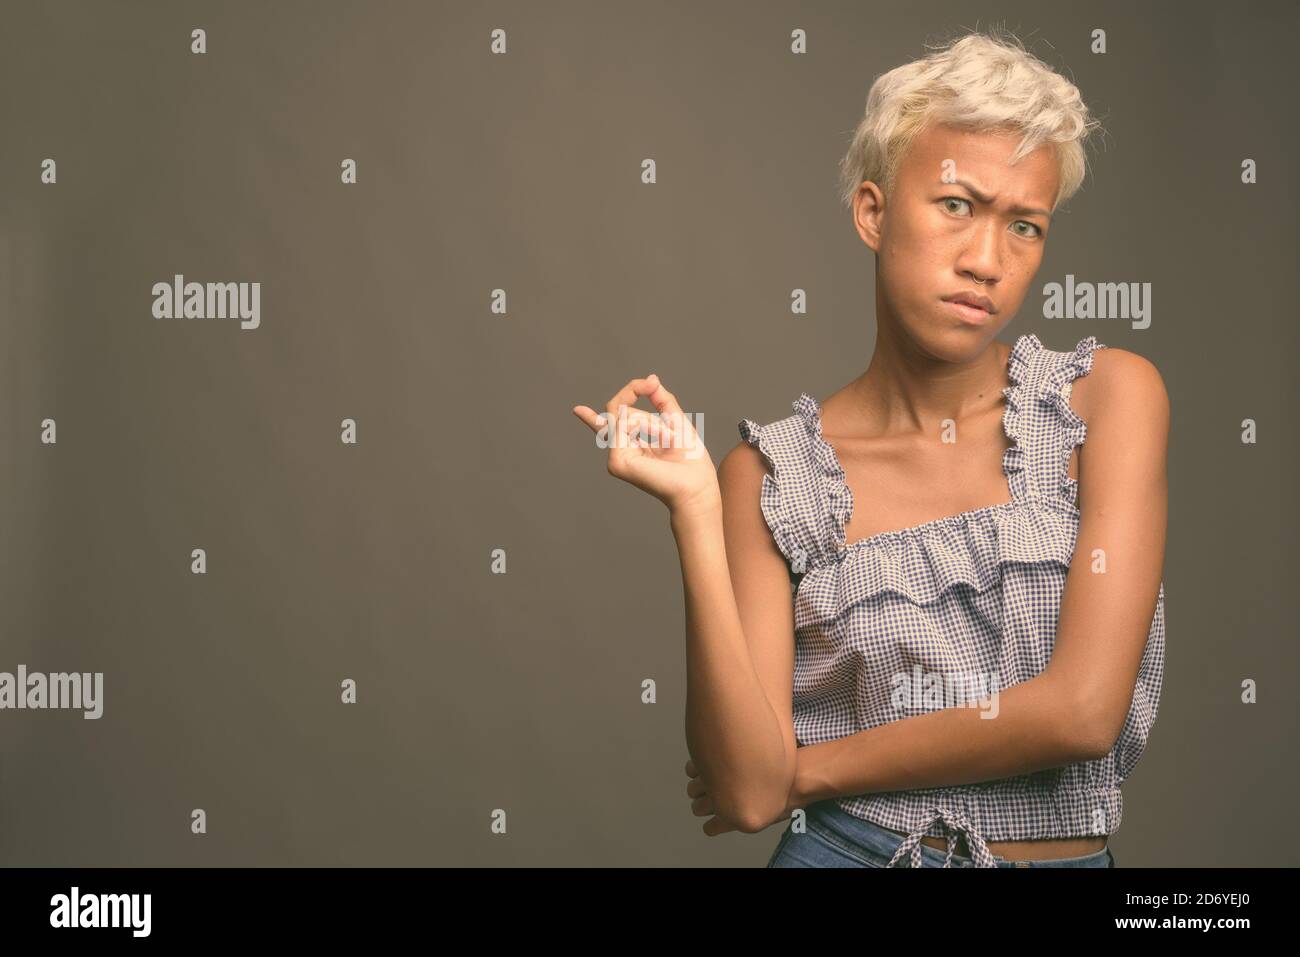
(788, 449)
(1115, 382)
(788, 433)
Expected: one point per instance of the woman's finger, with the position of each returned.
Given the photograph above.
(641, 417)
(662, 399)
(596, 421)
(661, 421)
(632, 425)
(590, 416)
(629, 394)
(653, 425)
(717, 825)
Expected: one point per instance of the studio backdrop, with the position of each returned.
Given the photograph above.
(343, 580)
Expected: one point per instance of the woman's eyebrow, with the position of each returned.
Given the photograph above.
(988, 201)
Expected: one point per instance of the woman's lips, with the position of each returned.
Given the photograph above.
(968, 313)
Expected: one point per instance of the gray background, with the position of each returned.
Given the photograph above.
(522, 691)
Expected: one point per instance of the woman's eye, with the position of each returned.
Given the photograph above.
(948, 202)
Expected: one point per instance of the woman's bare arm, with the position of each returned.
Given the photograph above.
(739, 661)
(739, 648)
(1076, 707)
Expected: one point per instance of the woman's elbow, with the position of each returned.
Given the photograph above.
(761, 807)
(1093, 732)
(750, 818)
(753, 801)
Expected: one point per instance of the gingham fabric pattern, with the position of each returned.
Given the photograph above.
(977, 593)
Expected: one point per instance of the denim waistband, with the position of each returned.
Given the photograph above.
(884, 842)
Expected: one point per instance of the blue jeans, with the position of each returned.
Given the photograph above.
(835, 838)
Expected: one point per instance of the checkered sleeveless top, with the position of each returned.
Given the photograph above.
(973, 596)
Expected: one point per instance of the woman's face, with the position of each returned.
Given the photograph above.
(958, 213)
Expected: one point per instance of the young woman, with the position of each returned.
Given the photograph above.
(971, 660)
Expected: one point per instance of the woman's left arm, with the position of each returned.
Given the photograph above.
(1075, 708)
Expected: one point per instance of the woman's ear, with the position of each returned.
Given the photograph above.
(869, 213)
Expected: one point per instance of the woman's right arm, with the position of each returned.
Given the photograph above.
(739, 648)
(739, 613)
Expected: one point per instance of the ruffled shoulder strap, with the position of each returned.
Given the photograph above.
(1040, 419)
(804, 499)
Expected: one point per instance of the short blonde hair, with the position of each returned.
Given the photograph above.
(976, 82)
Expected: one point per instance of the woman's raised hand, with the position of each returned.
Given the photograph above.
(659, 453)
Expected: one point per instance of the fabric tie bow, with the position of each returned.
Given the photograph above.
(955, 822)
